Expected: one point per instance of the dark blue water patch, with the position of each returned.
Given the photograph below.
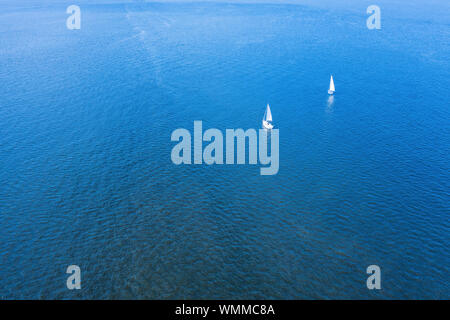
(86, 118)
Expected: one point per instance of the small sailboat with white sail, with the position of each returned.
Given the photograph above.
(267, 120)
(331, 90)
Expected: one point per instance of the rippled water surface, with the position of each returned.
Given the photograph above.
(86, 176)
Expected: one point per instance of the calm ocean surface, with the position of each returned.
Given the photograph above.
(86, 176)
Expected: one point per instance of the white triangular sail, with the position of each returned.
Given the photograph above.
(268, 116)
(332, 89)
(266, 123)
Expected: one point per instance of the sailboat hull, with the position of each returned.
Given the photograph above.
(267, 125)
(330, 92)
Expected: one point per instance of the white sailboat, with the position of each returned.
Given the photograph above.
(331, 90)
(266, 123)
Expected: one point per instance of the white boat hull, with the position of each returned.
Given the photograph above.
(267, 125)
(330, 92)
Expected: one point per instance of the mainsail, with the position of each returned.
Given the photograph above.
(332, 85)
(268, 116)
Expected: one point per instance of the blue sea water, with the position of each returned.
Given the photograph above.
(86, 177)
